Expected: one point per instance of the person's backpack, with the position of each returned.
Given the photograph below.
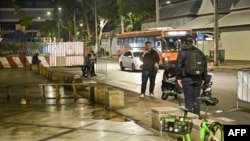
(195, 62)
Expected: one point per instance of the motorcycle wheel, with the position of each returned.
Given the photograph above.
(86, 71)
(176, 96)
(164, 96)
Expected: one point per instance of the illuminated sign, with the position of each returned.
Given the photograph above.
(176, 33)
(200, 37)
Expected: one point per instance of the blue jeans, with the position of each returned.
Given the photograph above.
(191, 91)
(151, 75)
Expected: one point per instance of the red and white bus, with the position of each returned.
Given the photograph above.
(166, 41)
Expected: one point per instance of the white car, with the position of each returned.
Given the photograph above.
(131, 59)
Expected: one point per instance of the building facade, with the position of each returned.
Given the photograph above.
(11, 13)
(233, 24)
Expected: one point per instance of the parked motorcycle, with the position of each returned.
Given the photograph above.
(169, 85)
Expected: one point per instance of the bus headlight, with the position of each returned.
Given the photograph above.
(166, 59)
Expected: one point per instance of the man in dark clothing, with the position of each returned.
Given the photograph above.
(191, 84)
(150, 68)
(92, 60)
(35, 59)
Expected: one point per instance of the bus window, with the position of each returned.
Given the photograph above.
(120, 42)
(140, 42)
(126, 41)
(163, 44)
(158, 46)
(151, 39)
(131, 42)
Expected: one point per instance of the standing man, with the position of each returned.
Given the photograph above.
(150, 68)
(191, 82)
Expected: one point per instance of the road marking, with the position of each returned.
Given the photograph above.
(225, 119)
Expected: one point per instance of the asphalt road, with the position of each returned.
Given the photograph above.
(224, 88)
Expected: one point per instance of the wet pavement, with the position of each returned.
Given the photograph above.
(83, 120)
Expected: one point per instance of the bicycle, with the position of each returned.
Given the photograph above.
(183, 124)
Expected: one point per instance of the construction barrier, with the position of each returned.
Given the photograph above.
(21, 61)
(243, 88)
(244, 85)
(53, 54)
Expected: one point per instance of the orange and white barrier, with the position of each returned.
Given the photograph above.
(44, 60)
(21, 62)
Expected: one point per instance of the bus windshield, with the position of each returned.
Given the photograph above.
(172, 43)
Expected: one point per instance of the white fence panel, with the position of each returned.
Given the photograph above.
(66, 53)
(244, 85)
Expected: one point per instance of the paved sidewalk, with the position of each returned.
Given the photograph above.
(75, 121)
(68, 120)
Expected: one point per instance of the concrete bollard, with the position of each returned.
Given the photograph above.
(158, 112)
(99, 93)
(42, 70)
(55, 76)
(114, 98)
(33, 67)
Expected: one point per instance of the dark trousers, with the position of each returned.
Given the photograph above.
(191, 91)
(92, 68)
(151, 75)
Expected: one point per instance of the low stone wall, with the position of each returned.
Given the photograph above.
(108, 96)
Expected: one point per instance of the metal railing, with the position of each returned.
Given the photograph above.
(101, 66)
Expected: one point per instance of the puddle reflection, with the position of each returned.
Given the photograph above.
(107, 114)
(97, 111)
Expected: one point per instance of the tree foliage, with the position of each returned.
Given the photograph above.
(48, 29)
(108, 17)
(136, 11)
(25, 21)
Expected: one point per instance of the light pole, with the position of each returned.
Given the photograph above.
(74, 20)
(157, 12)
(96, 34)
(216, 32)
(58, 24)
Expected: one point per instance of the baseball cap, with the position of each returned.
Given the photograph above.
(189, 40)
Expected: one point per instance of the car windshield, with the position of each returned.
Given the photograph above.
(137, 54)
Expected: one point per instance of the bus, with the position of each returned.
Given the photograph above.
(166, 41)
